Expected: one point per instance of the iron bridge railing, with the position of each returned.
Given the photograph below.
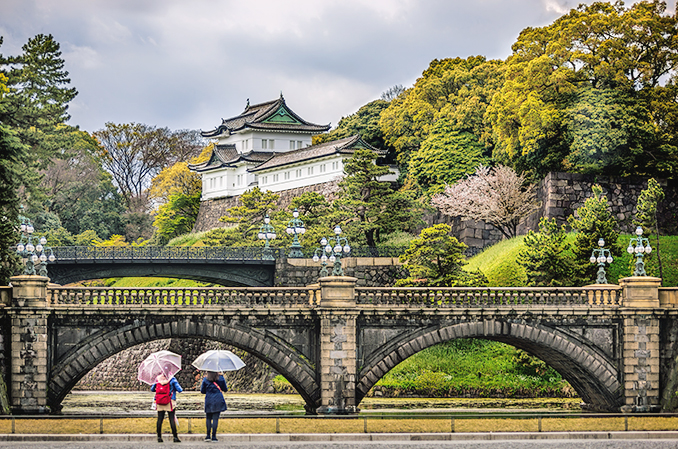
(443, 297)
(72, 253)
(393, 297)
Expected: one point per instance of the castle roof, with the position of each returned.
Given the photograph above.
(347, 145)
(228, 156)
(272, 115)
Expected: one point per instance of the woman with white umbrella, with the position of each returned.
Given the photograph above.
(213, 385)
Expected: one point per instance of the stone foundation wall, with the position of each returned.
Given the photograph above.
(370, 271)
(563, 193)
(119, 372)
(560, 195)
(212, 210)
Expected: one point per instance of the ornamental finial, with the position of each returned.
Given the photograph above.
(248, 104)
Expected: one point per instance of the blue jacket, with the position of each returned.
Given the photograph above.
(174, 388)
(214, 399)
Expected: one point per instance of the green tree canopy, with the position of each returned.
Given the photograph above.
(595, 73)
(177, 216)
(446, 156)
(458, 90)
(364, 122)
(646, 214)
(254, 206)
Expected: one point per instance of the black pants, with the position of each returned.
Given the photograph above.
(212, 422)
(173, 424)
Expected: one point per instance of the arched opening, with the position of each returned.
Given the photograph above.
(592, 375)
(75, 364)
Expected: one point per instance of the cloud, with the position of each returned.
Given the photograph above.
(188, 64)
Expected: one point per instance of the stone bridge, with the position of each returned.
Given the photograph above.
(333, 341)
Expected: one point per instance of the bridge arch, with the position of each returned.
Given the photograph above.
(67, 371)
(593, 376)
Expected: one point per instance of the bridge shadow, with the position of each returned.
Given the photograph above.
(98, 346)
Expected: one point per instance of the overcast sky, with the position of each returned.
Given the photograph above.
(187, 64)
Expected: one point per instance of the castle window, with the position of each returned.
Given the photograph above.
(323, 167)
(275, 178)
(298, 174)
(264, 144)
(310, 170)
(299, 143)
(335, 166)
(287, 175)
(271, 143)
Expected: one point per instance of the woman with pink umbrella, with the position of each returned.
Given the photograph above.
(158, 370)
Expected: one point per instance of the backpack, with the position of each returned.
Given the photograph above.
(162, 394)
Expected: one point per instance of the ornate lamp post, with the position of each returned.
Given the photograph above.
(323, 259)
(267, 233)
(296, 227)
(639, 245)
(33, 255)
(600, 256)
(334, 252)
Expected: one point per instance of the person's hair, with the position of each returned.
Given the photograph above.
(212, 376)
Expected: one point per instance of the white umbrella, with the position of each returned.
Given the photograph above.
(218, 360)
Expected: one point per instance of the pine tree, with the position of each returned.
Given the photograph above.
(546, 257)
(646, 215)
(593, 221)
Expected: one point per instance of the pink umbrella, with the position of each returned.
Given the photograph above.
(162, 362)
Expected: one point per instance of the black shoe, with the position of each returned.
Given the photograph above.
(159, 439)
(208, 439)
(177, 440)
(214, 440)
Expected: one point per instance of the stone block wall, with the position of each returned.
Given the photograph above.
(370, 271)
(641, 364)
(212, 210)
(119, 372)
(560, 195)
(29, 373)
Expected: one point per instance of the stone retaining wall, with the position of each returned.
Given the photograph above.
(119, 372)
(213, 209)
(560, 195)
(370, 271)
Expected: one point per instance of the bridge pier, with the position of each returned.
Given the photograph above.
(641, 330)
(28, 318)
(337, 345)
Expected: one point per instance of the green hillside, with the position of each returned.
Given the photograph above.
(498, 262)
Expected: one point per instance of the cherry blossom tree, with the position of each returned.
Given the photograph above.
(497, 196)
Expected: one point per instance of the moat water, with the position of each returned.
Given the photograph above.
(136, 402)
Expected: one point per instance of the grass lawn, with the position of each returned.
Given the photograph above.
(359, 424)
